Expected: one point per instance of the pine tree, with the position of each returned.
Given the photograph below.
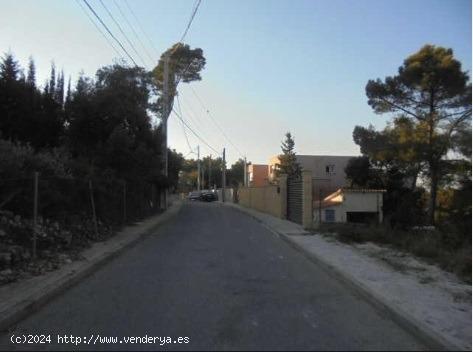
(59, 93)
(287, 160)
(433, 94)
(22, 77)
(52, 80)
(12, 98)
(82, 85)
(9, 68)
(68, 93)
(31, 76)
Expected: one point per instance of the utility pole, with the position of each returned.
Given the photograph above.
(165, 122)
(210, 169)
(198, 168)
(245, 174)
(224, 176)
(202, 177)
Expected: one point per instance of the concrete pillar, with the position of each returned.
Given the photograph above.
(283, 195)
(307, 199)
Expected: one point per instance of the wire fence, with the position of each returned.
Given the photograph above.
(43, 212)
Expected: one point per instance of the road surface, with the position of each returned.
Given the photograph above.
(217, 279)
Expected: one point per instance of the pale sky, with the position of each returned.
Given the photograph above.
(272, 66)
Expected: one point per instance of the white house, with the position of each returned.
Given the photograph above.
(350, 205)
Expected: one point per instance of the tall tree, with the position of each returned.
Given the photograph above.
(432, 90)
(236, 173)
(67, 103)
(59, 93)
(185, 65)
(287, 160)
(176, 161)
(11, 98)
(399, 146)
(68, 92)
(31, 76)
(52, 80)
(9, 68)
(361, 173)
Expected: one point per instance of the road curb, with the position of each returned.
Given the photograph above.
(415, 327)
(21, 307)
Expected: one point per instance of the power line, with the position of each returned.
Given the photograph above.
(123, 33)
(194, 11)
(185, 156)
(98, 28)
(195, 119)
(182, 123)
(141, 28)
(109, 32)
(195, 134)
(134, 32)
(215, 122)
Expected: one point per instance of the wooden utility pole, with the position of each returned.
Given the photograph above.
(224, 176)
(198, 168)
(202, 176)
(165, 124)
(245, 174)
(210, 169)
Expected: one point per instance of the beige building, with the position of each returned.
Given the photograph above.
(350, 205)
(328, 172)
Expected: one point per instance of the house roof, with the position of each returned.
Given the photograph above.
(361, 190)
(328, 203)
(334, 199)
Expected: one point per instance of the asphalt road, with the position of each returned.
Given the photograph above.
(217, 277)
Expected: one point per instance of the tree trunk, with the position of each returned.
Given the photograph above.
(433, 194)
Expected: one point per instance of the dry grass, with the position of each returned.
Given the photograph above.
(433, 246)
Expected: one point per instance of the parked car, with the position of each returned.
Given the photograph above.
(209, 196)
(196, 195)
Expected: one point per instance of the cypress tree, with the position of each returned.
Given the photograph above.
(31, 76)
(68, 93)
(11, 98)
(287, 160)
(9, 68)
(59, 93)
(52, 80)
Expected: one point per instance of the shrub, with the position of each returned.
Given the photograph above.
(438, 247)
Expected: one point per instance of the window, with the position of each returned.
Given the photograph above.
(251, 176)
(330, 169)
(329, 215)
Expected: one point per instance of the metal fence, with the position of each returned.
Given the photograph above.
(95, 204)
(294, 199)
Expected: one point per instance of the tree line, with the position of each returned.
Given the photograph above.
(99, 128)
(423, 156)
(211, 174)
